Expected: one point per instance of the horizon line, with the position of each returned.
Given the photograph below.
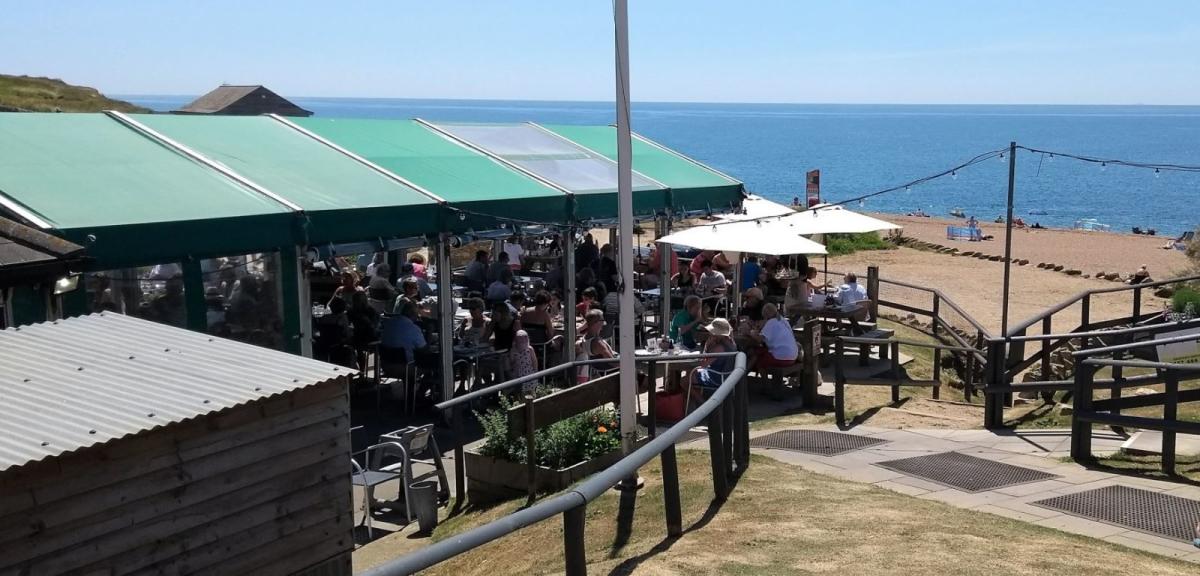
(772, 103)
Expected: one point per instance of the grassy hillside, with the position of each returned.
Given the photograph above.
(32, 94)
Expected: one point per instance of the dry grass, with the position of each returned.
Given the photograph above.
(783, 520)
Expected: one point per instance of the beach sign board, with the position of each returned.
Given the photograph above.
(1179, 352)
(813, 187)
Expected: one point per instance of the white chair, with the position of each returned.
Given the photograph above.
(413, 445)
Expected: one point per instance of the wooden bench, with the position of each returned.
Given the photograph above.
(777, 376)
(864, 349)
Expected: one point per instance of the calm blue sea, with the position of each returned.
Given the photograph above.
(864, 148)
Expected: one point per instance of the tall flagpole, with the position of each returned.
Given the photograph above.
(628, 376)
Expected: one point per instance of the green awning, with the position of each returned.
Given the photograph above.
(343, 199)
(693, 185)
(126, 198)
(464, 178)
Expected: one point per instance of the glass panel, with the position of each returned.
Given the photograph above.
(244, 298)
(149, 292)
(548, 155)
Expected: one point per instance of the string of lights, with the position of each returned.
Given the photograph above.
(1105, 162)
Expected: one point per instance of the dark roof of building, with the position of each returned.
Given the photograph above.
(26, 253)
(243, 100)
(71, 384)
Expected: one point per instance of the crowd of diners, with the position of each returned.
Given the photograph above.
(509, 319)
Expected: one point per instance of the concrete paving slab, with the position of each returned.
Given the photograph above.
(1149, 442)
(903, 488)
(1042, 487)
(966, 499)
(1008, 512)
(1083, 526)
(1183, 548)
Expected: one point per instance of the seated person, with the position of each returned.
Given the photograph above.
(476, 272)
(711, 282)
(685, 322)
(712, 371)
(586, 299)
(751, 272)
(591, 346)
(470, 330)
(499, 290)
(501, 328)
(336, 335)
(424, 290)
(778, 343)
(402, 340)
(1141, 276)
(537, 319)
(501, 264)
(852, 293)
(410, 292)
(685, 281)
(752, 306)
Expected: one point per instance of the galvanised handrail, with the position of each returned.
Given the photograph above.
(1136, 288)
(572, 503)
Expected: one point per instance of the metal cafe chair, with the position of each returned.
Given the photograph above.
(368, 479)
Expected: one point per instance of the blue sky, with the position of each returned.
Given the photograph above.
(867, 51)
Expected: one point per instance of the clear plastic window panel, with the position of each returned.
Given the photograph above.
(550, 156)
(151, 292)
(243, 298)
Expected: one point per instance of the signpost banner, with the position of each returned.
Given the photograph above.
(1179, 352)
(813, 187)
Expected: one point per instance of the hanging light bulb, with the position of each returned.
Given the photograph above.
(954, 174)
(1051, 157)
(862, 203)
(714, 227)
(1103, 166)
(1156, 172)
(462, 216)
(907, 189)
(1001, 156)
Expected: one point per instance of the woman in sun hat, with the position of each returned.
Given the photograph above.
(712, 371)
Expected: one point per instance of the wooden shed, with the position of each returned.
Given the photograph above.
(229, 100)
(129, 447)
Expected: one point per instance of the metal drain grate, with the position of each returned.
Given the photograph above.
(964, 472)
(814, 442)
(1134, 508)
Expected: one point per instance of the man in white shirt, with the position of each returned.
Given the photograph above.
(711, 282)
(849, 294)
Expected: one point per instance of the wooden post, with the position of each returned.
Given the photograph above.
(573, 541)
(895, 346)
(1008, 226)
(937, 372)
(839, 384)
(993, 410)
(969, 382)
(810, 379)
(530, 448)
(873, 291)
(193, 296)
(652, 398)
(568, 269)
(743, 391)
(1118, 377)
(1170, 418)
(1081, 432)
(716, 447)
(935, 318)
(1137, 302)
(460, 472)
(1085, 315)
(671, 505)
(1047, 326)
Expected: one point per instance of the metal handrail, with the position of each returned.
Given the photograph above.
(572, 499)
(1134, 345)
(861, 340)
(1086, 293)
(1092, 334)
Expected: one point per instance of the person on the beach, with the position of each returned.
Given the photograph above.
(1141, 276)
(972, 222)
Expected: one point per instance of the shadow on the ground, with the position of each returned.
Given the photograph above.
(629, 565)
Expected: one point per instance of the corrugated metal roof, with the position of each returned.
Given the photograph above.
(75, 383)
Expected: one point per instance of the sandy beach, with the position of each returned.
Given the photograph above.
(976, 284)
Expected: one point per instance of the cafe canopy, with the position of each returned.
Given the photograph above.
(142, 189)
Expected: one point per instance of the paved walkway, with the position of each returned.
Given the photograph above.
(1036, 449)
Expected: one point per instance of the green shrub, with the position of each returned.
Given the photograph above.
(1183, 297)
(842, 244)
(559, 445)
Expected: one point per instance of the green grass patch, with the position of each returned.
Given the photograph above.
(33, 94)
(843, 244)
(781, 519)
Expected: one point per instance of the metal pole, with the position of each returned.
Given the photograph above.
(1008, 225)
(568, 270)
(625, 210)
(445, 292)
(738, 257)
(664, 277)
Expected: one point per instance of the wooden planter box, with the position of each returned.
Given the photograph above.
(491, 479)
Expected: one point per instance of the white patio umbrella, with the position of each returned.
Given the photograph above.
(761, 237)
(758, 207)
(829, 219)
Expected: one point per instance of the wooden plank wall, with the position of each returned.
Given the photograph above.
(258, 489)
